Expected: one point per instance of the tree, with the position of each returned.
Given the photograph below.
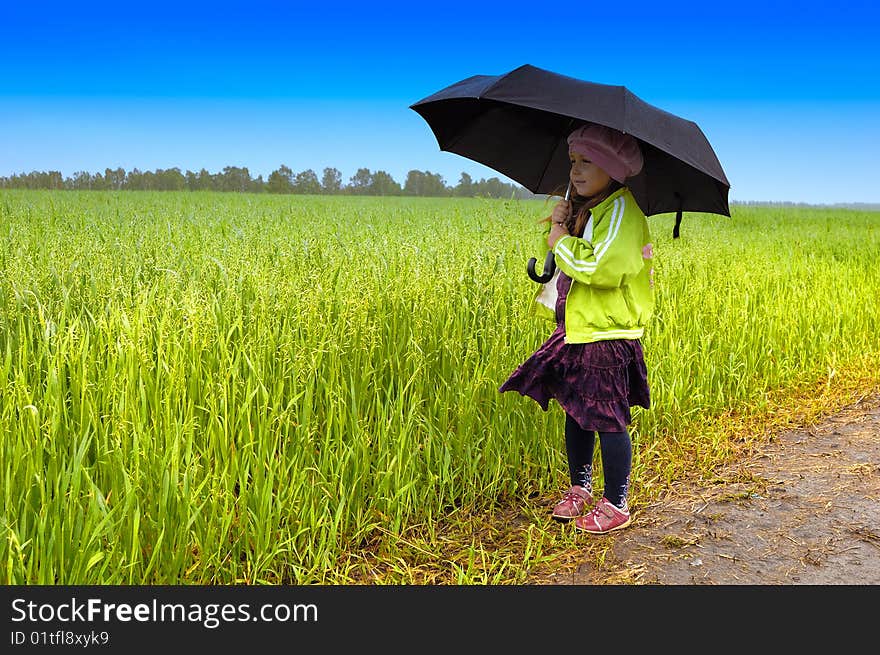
(283, 180)
(306, 182)
(465, 187)
(492, 188)
(55, 180)
(99, 183)
(134, 180)
(332, 181)
(425, 183)
(148, 180)
(415, 182)
(170, 180)
(383, 184)
(236, 179)
(81, 180)
(114, 179)
(360, 182)
(206, 181)
(280, 180)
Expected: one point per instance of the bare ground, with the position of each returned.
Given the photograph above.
(804, 511)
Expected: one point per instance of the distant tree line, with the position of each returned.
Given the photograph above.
(232, 178)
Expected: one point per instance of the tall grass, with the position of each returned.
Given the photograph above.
(217, 388)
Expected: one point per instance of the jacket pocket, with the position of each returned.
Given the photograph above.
(612, 309)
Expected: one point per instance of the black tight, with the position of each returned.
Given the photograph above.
(616, 451)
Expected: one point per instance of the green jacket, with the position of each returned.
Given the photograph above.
(611, 267)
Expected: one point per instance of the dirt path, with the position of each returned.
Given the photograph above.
(805, 511)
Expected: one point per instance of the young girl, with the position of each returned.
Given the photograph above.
(602, 297)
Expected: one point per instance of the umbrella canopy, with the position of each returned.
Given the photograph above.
(518, 123)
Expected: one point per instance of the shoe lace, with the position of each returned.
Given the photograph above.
(573, 497)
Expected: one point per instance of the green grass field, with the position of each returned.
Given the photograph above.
(220, 388)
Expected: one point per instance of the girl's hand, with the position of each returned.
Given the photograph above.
(557, 230)
(557, 222)
(561, 211)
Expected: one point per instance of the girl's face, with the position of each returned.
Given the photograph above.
(586, 177)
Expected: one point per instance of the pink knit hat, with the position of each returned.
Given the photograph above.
(616, 153)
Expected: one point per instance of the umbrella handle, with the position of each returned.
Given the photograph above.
(549, 261)
(549, 269)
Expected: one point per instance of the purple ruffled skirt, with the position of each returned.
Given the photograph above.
(595, 383)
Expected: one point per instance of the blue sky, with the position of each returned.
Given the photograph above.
(788, 93)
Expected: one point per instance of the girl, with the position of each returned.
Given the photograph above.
(602, 297)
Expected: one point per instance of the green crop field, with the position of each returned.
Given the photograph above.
(247, 389)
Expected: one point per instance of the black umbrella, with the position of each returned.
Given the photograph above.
(517, 124)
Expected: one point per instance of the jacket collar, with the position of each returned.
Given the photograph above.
(602, 207)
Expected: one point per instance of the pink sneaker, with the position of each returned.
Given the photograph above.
(604, 518)
(573, 503)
